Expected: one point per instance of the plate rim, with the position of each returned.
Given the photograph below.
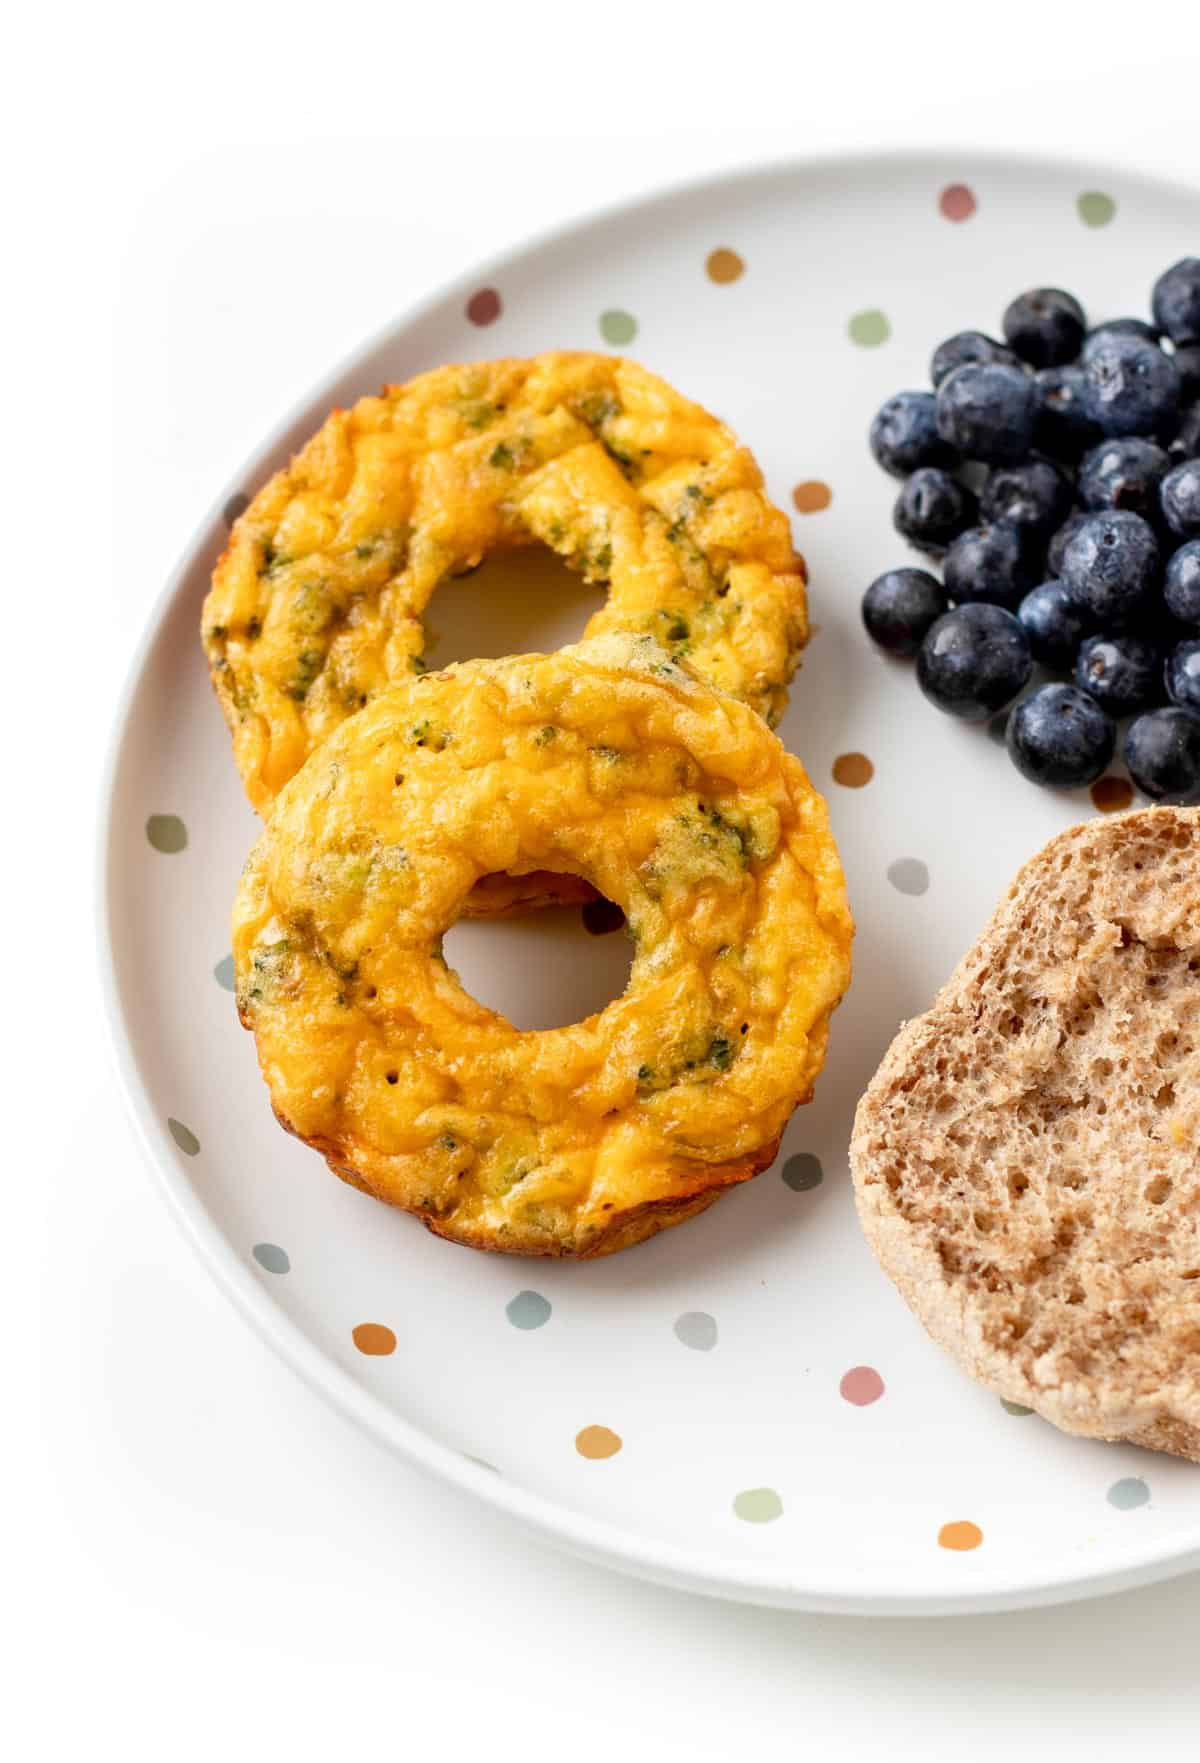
(599, 1541)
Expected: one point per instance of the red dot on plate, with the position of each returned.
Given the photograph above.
(484, 306)
(861, 1385)
(957, 202)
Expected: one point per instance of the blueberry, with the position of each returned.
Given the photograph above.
(1181, 590)
(1175, 301)
(1110, 565)
(1045, 327)
(1180, 499)
(973, 661)
(1059, 736)
(1123, 474)
(989, 562)
(1053, 625)
(987, 411)
(1130, 387)
(1034, 496)
(1187, 365)
(1182, 675)
(1119, 327)
(1186, 441)
(1162, 751)
(966, 346)
(932, 509)
(1060, 541)
(1123, 673)
(1062, 426)
(899, 607)
(904, 434)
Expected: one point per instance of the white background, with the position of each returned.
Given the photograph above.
(205, 207)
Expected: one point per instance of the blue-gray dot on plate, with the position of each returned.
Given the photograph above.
(697, 1329)
(1127, 1493)
(223, 973)
(908, 875)
(272, 1257)
(184, 1137)
(802, 1172)
(528, 1310)
(166, 833)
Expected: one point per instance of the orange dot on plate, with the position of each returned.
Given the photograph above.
(724, 265)
(811, 496)
(852, 770)
(374, 1338)
(961, 1534)
(597, 1441)
(957, 202)
(1111, 794)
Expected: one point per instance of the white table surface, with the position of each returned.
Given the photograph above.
(211, 208)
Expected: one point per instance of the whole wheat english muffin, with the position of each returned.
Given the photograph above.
(1025, 1157)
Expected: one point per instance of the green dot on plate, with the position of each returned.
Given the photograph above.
(528, 1310)
(758, 1505)
(617, 326)
(1095, 208)
(184, 1137)
(1017, 1408)
(272, 1257)
(1127, 1493)
(167, 833)
(870, 328)
(223, 973)
(802, 1172)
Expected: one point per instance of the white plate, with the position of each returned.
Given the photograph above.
(716, 1354)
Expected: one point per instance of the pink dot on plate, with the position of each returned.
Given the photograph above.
(861, 1385)
(957, 202)
(484, 307)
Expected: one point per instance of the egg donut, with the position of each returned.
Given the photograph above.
(317, 603)
(608, 760)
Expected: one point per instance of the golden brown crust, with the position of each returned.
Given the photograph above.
(682, 807)
(317, 602)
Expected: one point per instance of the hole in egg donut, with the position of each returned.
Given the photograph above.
(515, 603)
(540, 972)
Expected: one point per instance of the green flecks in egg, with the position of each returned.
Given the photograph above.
(618, 327)
(184, 1137)
(167, 833)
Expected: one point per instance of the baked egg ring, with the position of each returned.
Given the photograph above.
(317, 602)
(607, 760)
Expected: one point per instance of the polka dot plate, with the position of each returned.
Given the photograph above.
(743, 1406)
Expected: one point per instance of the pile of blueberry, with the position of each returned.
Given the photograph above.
(1057, 477)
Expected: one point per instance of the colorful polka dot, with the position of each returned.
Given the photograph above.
(597, 1442)
(811, 496)
(908, 875)
(528, 1310)
(1111, 794)
(272, 1257)
(852, 770)
(861, 1386)
(957, 202)
(803, 1172)
(961, 1534)
(235, 508)
(724, 265)
(617, 326)
(374, 1338)
(484, 306)
(600, 917)
(870, 328)
(697, 1329)
(184, 1137)
(1128, 1493)
(167, 833)
(481, 1463)
(758, 1505)
(1095, 208)
(1017, 1408)
(223, 973)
